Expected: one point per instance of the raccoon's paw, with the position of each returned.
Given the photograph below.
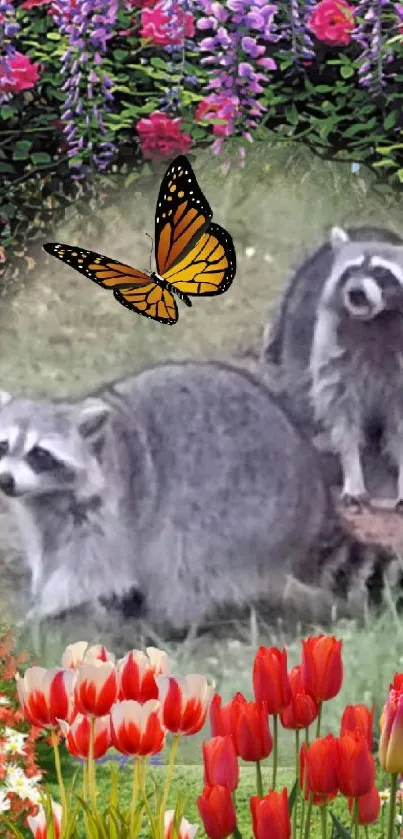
(355, 503)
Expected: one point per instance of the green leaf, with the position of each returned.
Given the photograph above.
(53, 36)
(346, 71)
(354, 129)
(390, 121)
(41, 158)
(6, 168)
(7, 111)
(339, 831)
(293, 796)
(21, 149)
(292, 114)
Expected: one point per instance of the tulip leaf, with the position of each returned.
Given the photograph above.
(237, 833)
(12, 827)
(339, 831)
(293, 796)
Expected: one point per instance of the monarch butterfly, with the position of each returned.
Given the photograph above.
(193, 255)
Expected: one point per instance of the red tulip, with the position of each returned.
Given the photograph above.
(185, 702)
(136, 729)
(78, 736)
(391, 740)
(46, 695)
(318, 769)
(37, 824)
(369, 806)
(220, 717)
(96, 688)
(137, 673)
(355, 764)
(217, 811)
(303, 708)
(358, 716)
(322, 667)
(270, 816)
(270, 679)
(221, 763)
(250, 729)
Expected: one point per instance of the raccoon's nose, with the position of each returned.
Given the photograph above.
(7, 484)
(358, 297)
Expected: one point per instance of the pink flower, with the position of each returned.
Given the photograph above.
(155, 25)
(216, 106)
(18, 74)
(31, 4)
(161, 136)
(332, 21)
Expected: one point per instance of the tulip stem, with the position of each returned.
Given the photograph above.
(320, 703)
(294, 812)
(259, 780)
(307, 736)
(392, 805)
(91, 768)
(135, 790)
(275, 747)
(62, 790)
(168, 781)
(308, 817)
(323, 815)
(301, 825)
(356, 823)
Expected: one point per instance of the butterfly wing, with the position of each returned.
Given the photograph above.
(209, 268)
(107, 272)
(151, 300)
(182, 215)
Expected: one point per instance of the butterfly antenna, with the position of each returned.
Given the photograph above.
(152, 248)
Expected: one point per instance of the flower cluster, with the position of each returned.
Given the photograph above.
(89, 26)
(133, 704)
(97, 703)
(19, 773)
(237, 46)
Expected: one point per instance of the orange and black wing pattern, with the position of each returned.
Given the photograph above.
(107, 272)
(152, 301)
(209, 268)
(182, 215)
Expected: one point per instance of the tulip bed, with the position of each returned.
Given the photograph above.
(138, 707)
(90, 89)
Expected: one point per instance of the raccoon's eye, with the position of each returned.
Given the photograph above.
(3, 448)
(41, 460)
(383, 275)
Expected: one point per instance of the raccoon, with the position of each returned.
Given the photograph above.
(337, 344)
(186, 483)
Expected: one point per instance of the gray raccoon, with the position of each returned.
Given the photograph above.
(186, 482)
(337, 344)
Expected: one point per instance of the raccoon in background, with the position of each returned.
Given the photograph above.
(186, 482)
(336, 347)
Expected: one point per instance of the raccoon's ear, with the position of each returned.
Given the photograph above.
(338, 237)
(4, 398)
(92, 415)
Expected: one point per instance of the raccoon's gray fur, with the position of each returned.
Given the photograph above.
(340, 368)
(186, 482)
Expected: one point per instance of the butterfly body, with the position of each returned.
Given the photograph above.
(194, 256)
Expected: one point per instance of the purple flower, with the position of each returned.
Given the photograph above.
(233, 78)
(250, 46)
(88, 26)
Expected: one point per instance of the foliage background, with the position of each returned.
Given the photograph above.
(344, 101)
